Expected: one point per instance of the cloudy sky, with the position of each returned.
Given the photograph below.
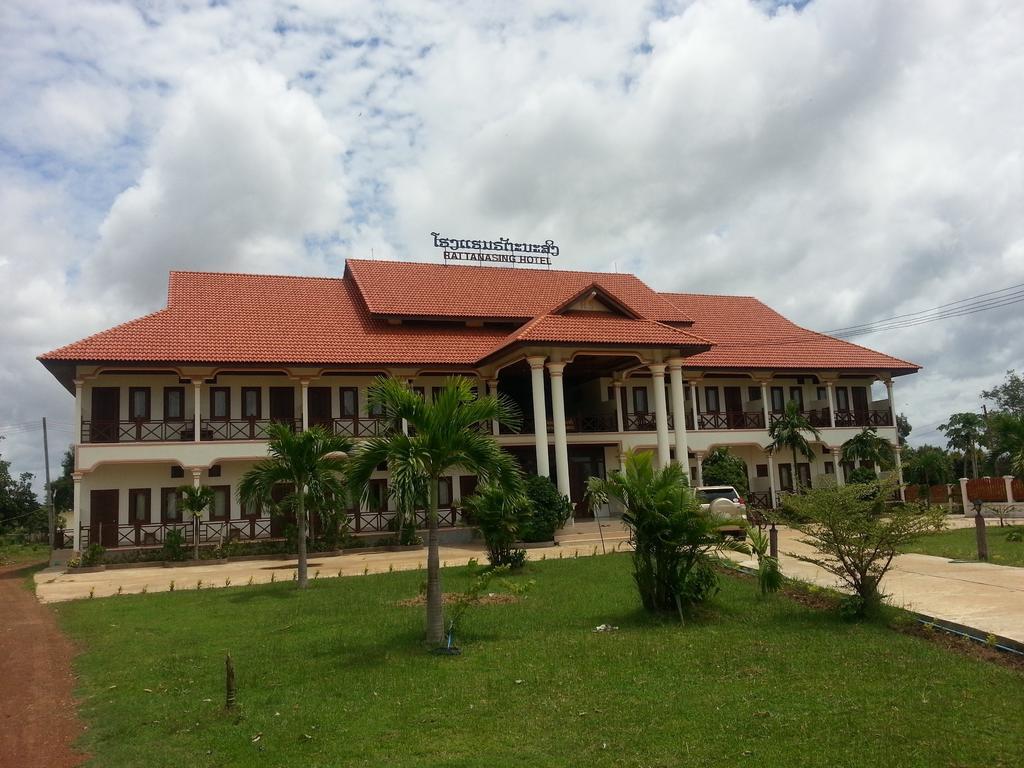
(843, 160)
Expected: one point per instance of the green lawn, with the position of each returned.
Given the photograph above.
(962, 545)
(23, 553)
(336, 677)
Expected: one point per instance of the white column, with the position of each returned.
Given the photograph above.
(771, 481)
(76, 510)
(660, 412)
(675, 375)
(305, 404)
(694, 404)
(540, 417)
(831, 387)
(197, 405)
(963, 495)
(617, 393)
(558, 416)
(700, 469)
(899, 471)
(1008, 479)
(78, 413)
(764, 405)
(892, 401)
(492, 390)
(837, 455)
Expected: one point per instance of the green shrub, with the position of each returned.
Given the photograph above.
(174, 546)
(498, 514)
(862, 475)
(546, 510)
(93, 555)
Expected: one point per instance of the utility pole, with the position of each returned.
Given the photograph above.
(49, 488)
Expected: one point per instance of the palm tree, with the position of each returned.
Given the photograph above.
(443, 434)
(194, 500)
(1008, 439)
(868, 446)
(964, 432)
(788, 432)
(308, 468)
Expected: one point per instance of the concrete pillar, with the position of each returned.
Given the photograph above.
(700, 469)
(540, 418)
(617, 394)
(305, 404)
(1008, 479)
(831, 387)
(949, 499)
(771, 481)
(660, 412)
(675, 372)
(837, 456)
(78, 414)
(558, 417)
(892, 401)
(197, 406)
(764, 405)
(963, 495)
(492, 390)
(695, 404)
(76, 510)
(899, 471)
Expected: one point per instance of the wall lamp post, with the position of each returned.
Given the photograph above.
(980, 532)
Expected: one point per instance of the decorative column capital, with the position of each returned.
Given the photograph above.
(79, 383)
(536, 361)
(675, 363)
(657, 369)
(555, 369)
(618, 383)
(196, 472)
(493, 383)
(77, 476)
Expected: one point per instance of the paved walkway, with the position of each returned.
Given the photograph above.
(987, 597)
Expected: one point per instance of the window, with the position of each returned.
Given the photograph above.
(786, 477)
(842, 399)
(174, 403)
(138, 404)
(177, 471)
(348, 399)
(711, 400)
(170, 505)
(762, 470)
(420, 392)
(221, 507)
(214, 471)
(796, 394)
(252, 403)
(804, 471)
(778, 400)
(139, 500)
(444, 492)
(753, 393)
(378, 495)
(640, 400)
(220, 403)
(830, 468)
(821, 394)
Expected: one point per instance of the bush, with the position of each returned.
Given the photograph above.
(720, 467)
(174, 546)
(93, 555)
(546, 510)
(498, 514)
(862, 475)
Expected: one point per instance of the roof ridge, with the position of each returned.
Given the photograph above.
(252, 274)
(507, 269)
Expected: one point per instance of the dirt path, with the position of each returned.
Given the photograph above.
(38, 722)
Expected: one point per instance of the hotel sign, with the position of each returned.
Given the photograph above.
(500, 251)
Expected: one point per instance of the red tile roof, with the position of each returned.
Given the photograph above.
(235, 318)
(411, 289)
(745, 333)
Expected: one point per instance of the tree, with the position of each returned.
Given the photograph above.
(546, 510)
(194, 500)
(788, 432)
(672, 537)
(903, 429)
(720, 467)
(19, 508)
(927, 465)
(964, 432)
(443, 434)
(306, 469)
(856, 535)
(1008, 396)
(1008, 440)
(868, 446)
(63, 487)
(498, 513)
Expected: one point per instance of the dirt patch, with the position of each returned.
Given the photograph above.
(38, 722)
(962, 645)
(495, 598)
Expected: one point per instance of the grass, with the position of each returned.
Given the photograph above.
(337, 676)
(961, 544)
(23, 553)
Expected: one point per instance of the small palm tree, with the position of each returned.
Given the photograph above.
(308, 467)
(868, 446)
(787, 432)
(195, 499)
(443, 434)
(964, 432)
(1008, 439)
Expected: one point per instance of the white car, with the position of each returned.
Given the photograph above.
(722, 501)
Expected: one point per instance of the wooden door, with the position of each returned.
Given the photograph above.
(103, 517)
(585, 462)
(734, 407)
(280, 519)
(319, 401)
(106, 415)
(282, 404)
(860, 400)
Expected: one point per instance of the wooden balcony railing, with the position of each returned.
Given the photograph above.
(137, 431)
(879, 418)
(380, 519)
(732, 420)
(359, 426)
(240, 429)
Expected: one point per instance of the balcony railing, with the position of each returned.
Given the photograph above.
(154, 534)
(357, 426)
(137, 431)
(732, 420)
(240, 429)
(879, 418)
